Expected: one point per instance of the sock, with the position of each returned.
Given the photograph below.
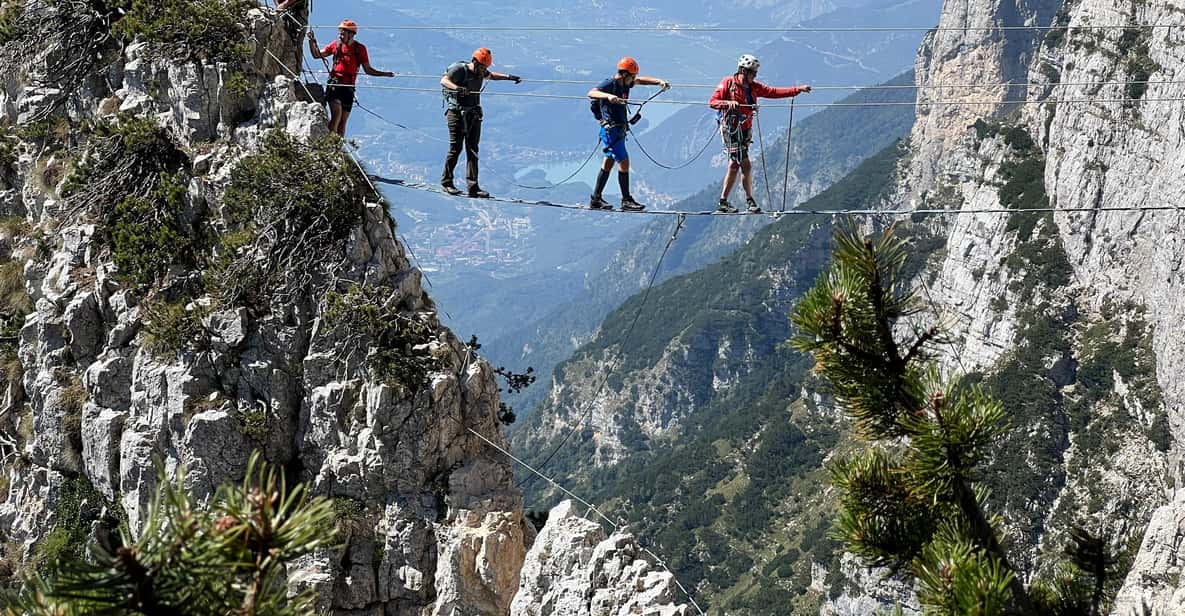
(602, 179)
(623, 180)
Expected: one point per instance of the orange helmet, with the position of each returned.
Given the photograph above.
(348, 24)
(483, 56)
(628, 64)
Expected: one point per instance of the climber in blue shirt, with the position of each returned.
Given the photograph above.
(612, 96)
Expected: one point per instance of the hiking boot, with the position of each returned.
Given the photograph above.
(753, 207)
(478, 193)
(450, 189)
(724, 207)
(595, 202)
(629, 205)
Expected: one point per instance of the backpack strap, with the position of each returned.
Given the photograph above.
(339, 50)
(451, 100)
(738, 116)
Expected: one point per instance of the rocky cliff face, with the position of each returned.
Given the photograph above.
(182, 309)
(1088, 290)
(573, 569)
(1070, 318)
(1071, 307)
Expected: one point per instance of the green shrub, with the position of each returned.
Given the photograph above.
(308, 196)
(300, 184)
(15, 302)
(148, 235)
(133, 148)
(77, 507)
(362, 312)
(349, 517)
(11, 26)
(131, 178)
(253, 422)
(169, 327)
(238, 84)
(192, 29)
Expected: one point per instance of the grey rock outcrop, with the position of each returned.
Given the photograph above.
(1071, 317)
(573, 569)
(1096, 151)
(434, 523)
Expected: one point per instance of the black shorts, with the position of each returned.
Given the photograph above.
(340, 93)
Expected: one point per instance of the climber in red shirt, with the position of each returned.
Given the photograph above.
(347, 55)
(735, 101)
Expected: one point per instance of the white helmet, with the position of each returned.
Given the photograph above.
(748, 62)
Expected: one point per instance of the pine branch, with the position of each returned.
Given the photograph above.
(919, 344)
(925, 502)
(876, 293)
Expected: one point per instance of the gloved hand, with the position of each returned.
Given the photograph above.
(515, 78)
(666, 85)
(806, 89)
(461, 91)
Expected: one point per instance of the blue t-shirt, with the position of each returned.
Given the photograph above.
(614, 114)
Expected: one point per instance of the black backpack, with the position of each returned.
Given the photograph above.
(594, 106)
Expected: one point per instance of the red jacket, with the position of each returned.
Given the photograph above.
(730, 89)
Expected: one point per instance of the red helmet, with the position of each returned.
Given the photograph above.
(628, 64)
(348, 24)
(483, 56)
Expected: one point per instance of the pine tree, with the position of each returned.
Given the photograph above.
(912, 499)
(227, 559)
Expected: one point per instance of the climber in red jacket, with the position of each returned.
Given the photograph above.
(735, 101)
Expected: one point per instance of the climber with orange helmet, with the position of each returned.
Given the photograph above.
(735, 101)
(463, 82)
(609, 106)
(348, 55)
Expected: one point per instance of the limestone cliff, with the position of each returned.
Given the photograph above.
(1070, 317)
(202, 273)
(1084, 301)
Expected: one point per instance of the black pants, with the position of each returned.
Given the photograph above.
(464, 129)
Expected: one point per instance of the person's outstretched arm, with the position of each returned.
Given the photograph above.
(764, 91)
(653, 81)
(505, 77)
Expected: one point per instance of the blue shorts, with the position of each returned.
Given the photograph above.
(613, 140)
